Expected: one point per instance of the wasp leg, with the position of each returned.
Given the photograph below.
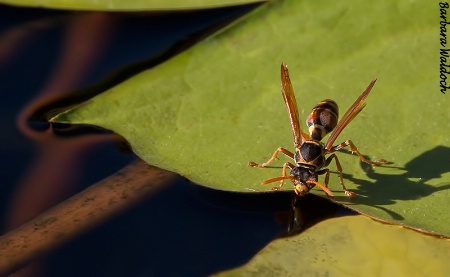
(323, 171)
(326, 171)
(282, 178)
(283, 175)
(354, 149)
(339, 168)
(274, 156)
(327, 176)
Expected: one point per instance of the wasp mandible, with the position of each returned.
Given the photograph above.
(310, 154)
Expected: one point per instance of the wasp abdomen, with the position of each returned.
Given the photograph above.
(322, 119)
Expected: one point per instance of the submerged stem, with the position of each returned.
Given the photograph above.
(82, 211)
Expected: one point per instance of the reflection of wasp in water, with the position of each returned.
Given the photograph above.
(309, 151)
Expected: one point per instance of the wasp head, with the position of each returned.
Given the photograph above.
(301, 189)
(303, 174)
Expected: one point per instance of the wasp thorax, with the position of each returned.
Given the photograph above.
(311, 153)
(322, 119)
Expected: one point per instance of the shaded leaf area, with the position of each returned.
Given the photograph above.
(351, 246)
(209, 111)
(118, 5)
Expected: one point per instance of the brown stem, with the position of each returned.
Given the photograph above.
(80, 212)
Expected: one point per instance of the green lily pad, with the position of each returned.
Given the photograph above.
(210, 110)
(119, 5)
(332, 248)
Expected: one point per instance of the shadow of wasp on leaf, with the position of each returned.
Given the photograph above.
(388, 189)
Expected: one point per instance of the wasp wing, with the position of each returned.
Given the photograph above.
(351, 113)
(291, 104)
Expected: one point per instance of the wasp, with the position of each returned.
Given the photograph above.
(310, 153)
